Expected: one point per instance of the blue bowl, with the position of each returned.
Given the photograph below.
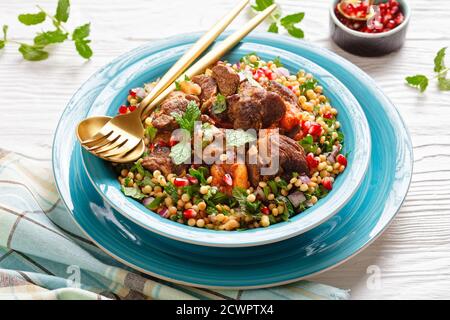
(351, 116)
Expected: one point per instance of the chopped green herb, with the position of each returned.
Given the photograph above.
(219, 105)
(151, 132)
(155, 203)
(200, 173)
(171, 190)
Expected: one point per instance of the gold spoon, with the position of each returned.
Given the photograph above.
(369, 15)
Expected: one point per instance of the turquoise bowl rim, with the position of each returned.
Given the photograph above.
(354, 125)
(343, 242)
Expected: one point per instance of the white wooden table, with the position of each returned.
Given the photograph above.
(413, 255)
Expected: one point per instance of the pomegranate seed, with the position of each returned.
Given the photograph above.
(265, 210)
(160, 144)
(181, 182)
(123, 109)
(328, 115)
(132, 93)
(192, 179)
(311, 161)
(305, 127)
(132, 108)
(189, 213)
(315, 130)
(399, 18)
(342, 159)
(327, 184)
(228, 179)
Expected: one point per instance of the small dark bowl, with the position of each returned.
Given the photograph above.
(369, 44)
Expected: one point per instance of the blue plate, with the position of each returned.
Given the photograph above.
(150, 67)
(361, 220)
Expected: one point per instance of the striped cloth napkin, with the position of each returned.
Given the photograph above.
(43, 254)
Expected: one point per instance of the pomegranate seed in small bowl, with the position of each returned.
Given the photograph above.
(382, 33)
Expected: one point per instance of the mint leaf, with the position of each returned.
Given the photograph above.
(181, 152)
(292, 19)
(439, 64)
(32, 53)
(295, 32)
(273, 27)
(289, 21)
(220, 105)
(150, 132)
(444, 84)
(81, 32)
(237, 138)
(32, 18)
(133, 192)
(62, 10)
(187, 120)
(261, 5)
(83, 48)
(2, 44)
(418, 81)
(49, 37)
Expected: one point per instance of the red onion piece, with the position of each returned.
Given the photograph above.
(282, 72)
(147, 201)
(304, 179)
(164, 212)
(296, 198)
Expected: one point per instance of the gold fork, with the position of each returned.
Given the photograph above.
(118, 140)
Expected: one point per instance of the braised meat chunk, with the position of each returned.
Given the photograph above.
(208, 85)
(227, 79)
(177, 101)
(159, 159)
(282, 91)
(254, 107)
(291, 158)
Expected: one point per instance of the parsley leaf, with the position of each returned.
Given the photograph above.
(419, 81)
(439, 64)
(240, 194)
(62, 10)
(219, 105)
(200, 173)
(133, 192)
(155, 203)
(309, 84)
(32, 53)
(171, 190)
(32, 18)
(49, 37)
(187, 120)
(237, 138)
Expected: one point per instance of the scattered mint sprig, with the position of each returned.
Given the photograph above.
(421, 81)
(288, 22)
(37, 50)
